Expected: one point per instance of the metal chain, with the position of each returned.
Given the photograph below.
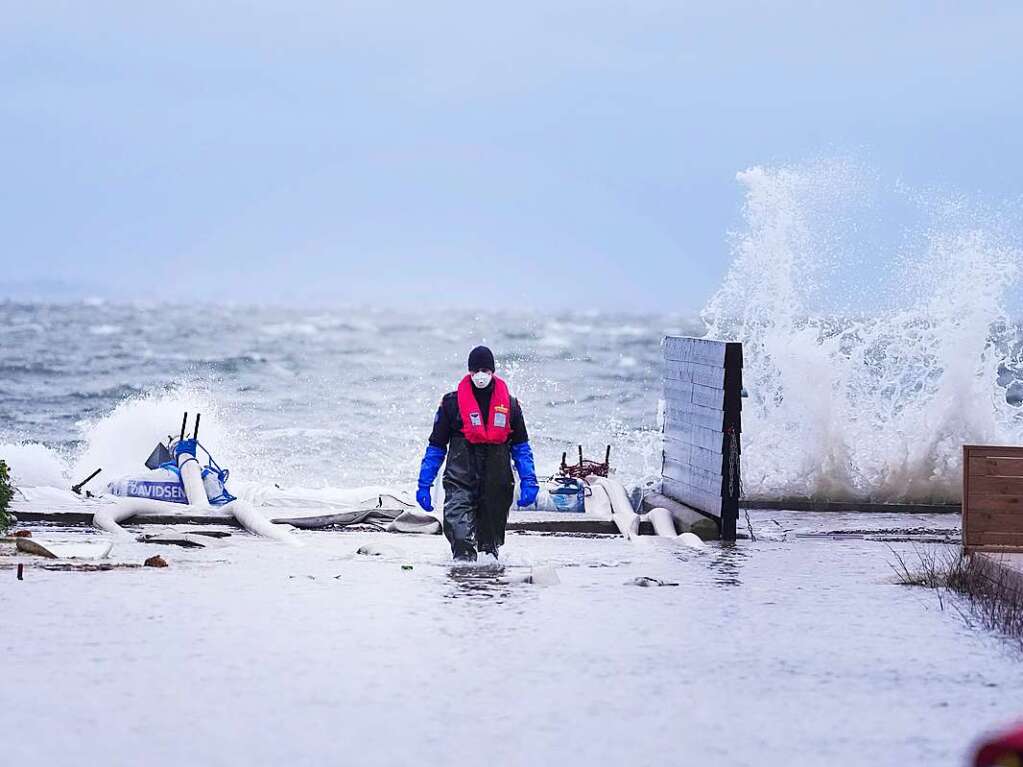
(734, 481)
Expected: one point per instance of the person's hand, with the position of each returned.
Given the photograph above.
(527, 494)
(424, 500)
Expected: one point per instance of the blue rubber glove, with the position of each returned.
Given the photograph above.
(423, 498)
(522, 455)
(428, 470)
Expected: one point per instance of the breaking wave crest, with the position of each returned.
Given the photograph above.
(854, 406)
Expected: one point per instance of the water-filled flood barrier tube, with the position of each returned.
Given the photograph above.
(176, 479)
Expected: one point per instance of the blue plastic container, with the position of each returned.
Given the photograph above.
(569, 496)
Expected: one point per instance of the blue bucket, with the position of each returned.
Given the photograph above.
(569, 496)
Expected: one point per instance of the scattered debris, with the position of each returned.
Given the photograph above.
(78, 567)
(170, 539)
(585, 467)
(377, 550)
(403, 567)
(64, 550)
(22, 534)
(155, 561)
(544, 576)
(646, 582)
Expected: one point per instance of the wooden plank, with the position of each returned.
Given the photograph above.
(966, 492)
(1013, 541)
(703, 351)
(708, 481)
(995, 467)
(985, 485)
(708, 397)
(708, 439)
(994, 521)
(694, 372)
(992, 451)
(691, 455)
(680, 394)
(684, 453)
(975, 502)
(704, 417)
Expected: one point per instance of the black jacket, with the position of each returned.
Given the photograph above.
(468, 466)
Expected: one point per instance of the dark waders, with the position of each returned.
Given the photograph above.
(478, 492)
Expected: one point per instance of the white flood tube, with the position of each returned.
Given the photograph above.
(191, 478)
(663, 522)
(693, 541)
(257, 524)
(109, 517)
(622, 514)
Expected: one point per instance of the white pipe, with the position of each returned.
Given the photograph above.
(191, 478)
(622, 514)
(257, 524)
(663, 522)
(108, 517)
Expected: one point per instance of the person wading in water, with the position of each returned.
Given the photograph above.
(480, 428)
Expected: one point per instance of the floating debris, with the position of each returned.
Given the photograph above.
(377, 550)
(59, 550)
(646, 582)
(155, 561)
(544, 576)
(170, 539)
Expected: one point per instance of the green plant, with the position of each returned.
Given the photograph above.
(6, 493)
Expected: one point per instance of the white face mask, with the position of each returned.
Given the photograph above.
(481, 379)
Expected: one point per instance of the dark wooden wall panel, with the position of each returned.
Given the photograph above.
(702, 427)
(992, 498)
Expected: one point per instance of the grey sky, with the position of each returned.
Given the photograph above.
(441, 152)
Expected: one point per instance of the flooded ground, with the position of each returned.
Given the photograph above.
(776, 652)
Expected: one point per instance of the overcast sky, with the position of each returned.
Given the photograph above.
(477, 153)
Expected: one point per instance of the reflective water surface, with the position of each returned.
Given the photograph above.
(775, 652)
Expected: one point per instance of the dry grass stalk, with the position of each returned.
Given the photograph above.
(982, 592)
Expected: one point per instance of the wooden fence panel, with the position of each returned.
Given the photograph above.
(992, 498)
(702, 427)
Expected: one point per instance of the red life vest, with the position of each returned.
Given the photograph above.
(498, 426)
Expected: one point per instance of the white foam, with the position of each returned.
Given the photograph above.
(847, 407)
(120, 441)
(34, 465)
